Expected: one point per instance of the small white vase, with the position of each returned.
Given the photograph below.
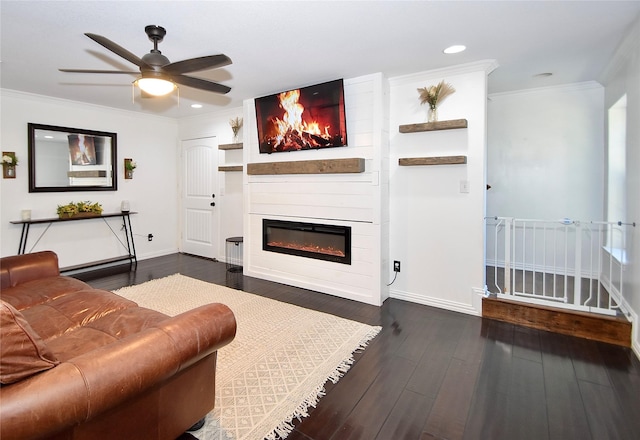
(433, 114)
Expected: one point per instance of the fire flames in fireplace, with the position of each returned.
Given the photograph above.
(302, 119)
(311, 240)
(292, 132)
(309, 247)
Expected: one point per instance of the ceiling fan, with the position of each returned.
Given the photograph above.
(158, 76)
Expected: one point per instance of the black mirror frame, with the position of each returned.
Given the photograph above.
(32, 127)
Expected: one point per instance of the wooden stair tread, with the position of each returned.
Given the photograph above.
(611, 329)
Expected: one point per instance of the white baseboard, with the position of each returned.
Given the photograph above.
(161, 253)
(440, 303)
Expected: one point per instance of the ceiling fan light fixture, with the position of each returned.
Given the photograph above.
(155, 86)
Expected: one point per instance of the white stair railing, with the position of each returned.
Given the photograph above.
(566, 263)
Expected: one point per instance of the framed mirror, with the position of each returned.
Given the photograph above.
(71, 159)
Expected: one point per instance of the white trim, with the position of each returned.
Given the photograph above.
(435, 302)
(487, 66)
(635, 330)
(570, 87)
(129, 113)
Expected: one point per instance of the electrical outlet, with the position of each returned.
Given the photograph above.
(150, 237)
(396, 266)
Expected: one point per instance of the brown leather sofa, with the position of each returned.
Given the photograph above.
(83, 363)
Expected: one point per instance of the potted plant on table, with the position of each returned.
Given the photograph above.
(79, 209)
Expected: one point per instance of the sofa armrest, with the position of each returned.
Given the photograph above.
(18, 269)
(90, 384)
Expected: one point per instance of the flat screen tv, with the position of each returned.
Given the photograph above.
(307, 118)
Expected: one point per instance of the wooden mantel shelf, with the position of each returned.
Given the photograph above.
(230, 168)
(237, 146)
(321, 166)
(433, 126)
(435, 160)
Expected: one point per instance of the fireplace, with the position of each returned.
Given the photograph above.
(311, 240)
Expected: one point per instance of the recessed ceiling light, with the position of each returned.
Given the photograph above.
(454, 49)
(196, 105)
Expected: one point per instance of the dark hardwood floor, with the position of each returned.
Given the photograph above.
(435, 374)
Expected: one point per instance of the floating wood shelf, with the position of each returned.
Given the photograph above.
(433, 126)
(436, 160)
(90, 173)
(322, 166)
(230, 168)
(237, 146)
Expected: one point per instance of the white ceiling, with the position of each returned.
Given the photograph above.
(278, 45)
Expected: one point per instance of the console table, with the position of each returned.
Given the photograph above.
(126, 225)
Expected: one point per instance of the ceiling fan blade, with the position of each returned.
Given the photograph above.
(98, 71)
(202, 84)
(117, 49)
(196, 64)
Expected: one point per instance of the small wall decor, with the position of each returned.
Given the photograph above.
(434, 95)
(129, 166)
(9, 162)
(236, 125)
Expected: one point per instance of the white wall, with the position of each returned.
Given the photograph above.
(623, 77)
(354, 200)
(545, 153)
(435, 230)
(149, 140)
(545, 160)
(229, 198)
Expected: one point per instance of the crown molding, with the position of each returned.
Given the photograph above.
(486, 66)
(17, 94)
(571, 87)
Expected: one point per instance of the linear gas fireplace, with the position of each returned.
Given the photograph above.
(311, 240)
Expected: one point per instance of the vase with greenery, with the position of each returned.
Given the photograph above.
(129, 166)
(236, 125)
(434, 95)
(9, 162)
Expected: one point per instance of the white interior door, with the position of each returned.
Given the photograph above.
(199, 219)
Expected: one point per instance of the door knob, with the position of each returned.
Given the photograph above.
(213, 203)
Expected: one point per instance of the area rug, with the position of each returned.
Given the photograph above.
(278, 363)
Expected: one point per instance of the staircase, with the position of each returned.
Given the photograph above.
(564, 276)
(610, 329)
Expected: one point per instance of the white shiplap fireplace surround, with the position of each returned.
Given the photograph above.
(358, 200)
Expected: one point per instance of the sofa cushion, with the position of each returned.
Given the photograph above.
(77, 309)
(40, 291)
(113, 327)
(18, 269)
(22, 352)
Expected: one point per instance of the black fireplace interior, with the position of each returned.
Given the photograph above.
(322, 242)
